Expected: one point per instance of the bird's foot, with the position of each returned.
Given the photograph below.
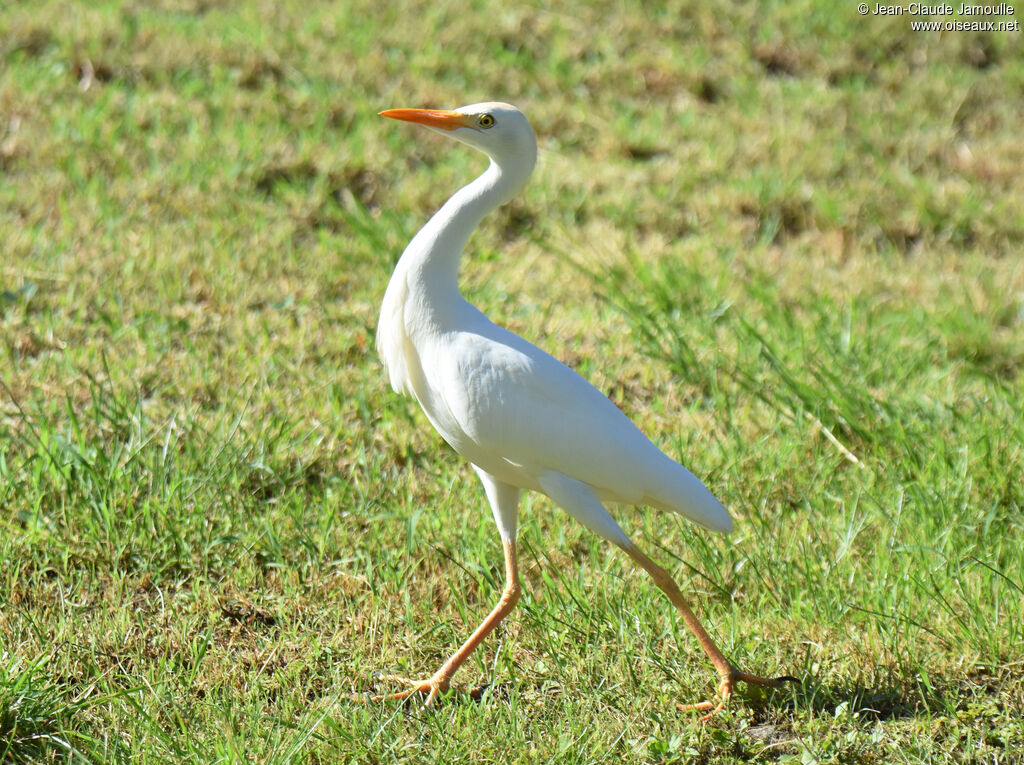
(431, 688)
(725, 689)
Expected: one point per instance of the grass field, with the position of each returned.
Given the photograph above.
(784, 237)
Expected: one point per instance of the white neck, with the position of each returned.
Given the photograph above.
(430, 264)
(423, 295)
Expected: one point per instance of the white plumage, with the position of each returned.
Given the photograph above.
(519, 415)
(522, 418)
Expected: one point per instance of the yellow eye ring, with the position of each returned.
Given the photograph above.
(485, 121)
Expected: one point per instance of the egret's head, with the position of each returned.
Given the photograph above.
(499, 130)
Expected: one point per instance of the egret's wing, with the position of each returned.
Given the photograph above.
(526, 407)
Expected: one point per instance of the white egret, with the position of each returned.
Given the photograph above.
(523, 419)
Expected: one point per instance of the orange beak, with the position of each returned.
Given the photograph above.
(435, 118)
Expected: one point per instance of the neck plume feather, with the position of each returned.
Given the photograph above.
(425, 285)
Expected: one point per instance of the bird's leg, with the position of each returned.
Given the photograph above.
(440, 680)
(730, 675)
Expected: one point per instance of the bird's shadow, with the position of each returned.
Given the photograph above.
(895, 699)
(772, 708)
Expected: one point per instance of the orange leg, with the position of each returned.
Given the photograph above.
(441, 680)
(729, 674)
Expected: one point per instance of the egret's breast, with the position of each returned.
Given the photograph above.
(393, 342)
(443, 393)
(433, 389)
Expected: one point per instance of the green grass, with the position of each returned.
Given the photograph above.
(785, 238)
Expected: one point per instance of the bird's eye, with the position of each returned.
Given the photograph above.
(485, 121)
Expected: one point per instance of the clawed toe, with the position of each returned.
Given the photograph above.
(430, 688)
(725, 689)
